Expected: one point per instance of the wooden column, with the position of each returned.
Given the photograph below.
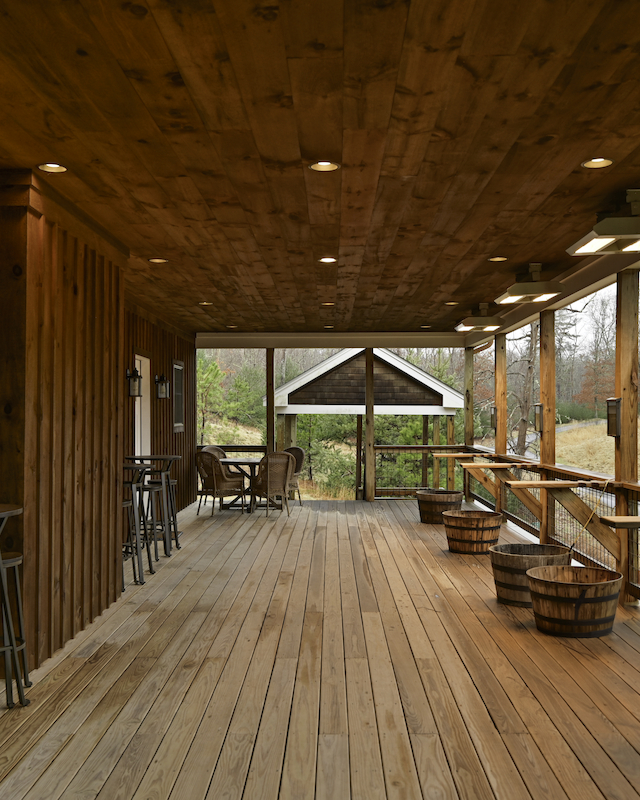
(627, 375)
(548, 387)
(501, 393)
(280, 432)
(290, 429)
(271, 401)
(468, 396)
(436, 461)
(451, 462)
(626, 465)
(548, 400)
(468, 413)
(359, 458)
(369, 453)
(425, 456)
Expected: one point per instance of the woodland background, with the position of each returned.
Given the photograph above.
(231, 385)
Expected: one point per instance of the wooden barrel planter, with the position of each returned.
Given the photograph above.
(471, 531)
(510, 563)
(432, 502)
(577, 602)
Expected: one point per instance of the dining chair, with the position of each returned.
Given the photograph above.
(299, 454)
(274, 475)
(215, 481)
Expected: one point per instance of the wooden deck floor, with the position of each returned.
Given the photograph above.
(339, 653)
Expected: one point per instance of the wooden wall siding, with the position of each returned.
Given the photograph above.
(346, 385)
(162, 347)
(67, 337)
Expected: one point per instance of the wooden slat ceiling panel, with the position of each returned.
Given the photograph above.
(460, 125)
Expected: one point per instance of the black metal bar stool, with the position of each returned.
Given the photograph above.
(12, 645)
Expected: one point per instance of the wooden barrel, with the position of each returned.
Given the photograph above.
(471, 531)
(432, 502)
(578, 602)
(510, 563)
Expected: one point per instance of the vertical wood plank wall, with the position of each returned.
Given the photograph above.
(162, 347)
(66, 474)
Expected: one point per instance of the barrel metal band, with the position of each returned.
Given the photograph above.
(472, 541)
(514, 587)
(581, 600)
(574, 622)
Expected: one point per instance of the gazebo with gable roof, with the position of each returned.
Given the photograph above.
(338, 385)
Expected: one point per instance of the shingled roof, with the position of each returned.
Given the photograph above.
(337, 386)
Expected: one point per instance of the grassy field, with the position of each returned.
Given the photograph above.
(587, 447)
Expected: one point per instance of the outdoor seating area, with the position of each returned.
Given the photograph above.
(273, 476)
(341, 650)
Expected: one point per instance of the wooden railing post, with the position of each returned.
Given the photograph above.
(425, 456)
(436, 461)
(451, 462)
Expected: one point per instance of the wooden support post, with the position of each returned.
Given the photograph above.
(626, 465)
(436, 461)
(369, 453)
(359, 458)
(279, 431)
(548, 387)
(290, 429)
(548, 400)
(451, 465)
(468, 397)
(425, 456)
(501, 392)
(468, 413)
(271, 400)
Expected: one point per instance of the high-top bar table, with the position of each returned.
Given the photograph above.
(10, 646)
(164, 463)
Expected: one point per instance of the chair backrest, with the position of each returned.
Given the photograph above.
(217, 451)
(279, 467)
(298, 453)
(205, 466)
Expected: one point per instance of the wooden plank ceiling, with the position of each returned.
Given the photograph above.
(188, 125)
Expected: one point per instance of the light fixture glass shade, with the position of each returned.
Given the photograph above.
(163, 388)
(324, 166)
(530, 292)
(610, 235)
(479, 324)
(135, 383)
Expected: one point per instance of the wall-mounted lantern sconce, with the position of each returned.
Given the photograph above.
(163, 388)
(537, 417)
(135, 383)
(614, 422)
(493, 417)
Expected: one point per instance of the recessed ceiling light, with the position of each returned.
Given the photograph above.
(51, 166)
(205, 303)
(451, 303)
(328, 327)
(232, 326)
(596, 163)
(424, 327)
(328, 260)
(498, 258)
(324, 166)
(328, 304)
(157, 260)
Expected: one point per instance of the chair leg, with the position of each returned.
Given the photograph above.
(299, 496)
(199, 504)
